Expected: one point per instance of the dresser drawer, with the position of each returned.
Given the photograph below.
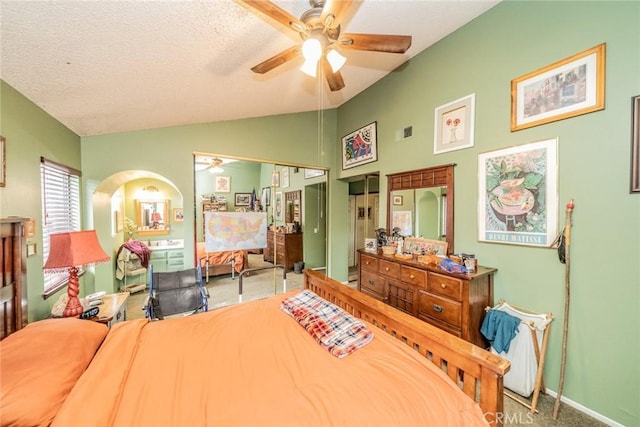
(440, 308)
(413, 276)
(280, 238)
(449, 287)
(372, 283)
(388, 268)
(369, 263)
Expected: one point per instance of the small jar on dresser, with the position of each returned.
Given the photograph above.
(451, 301)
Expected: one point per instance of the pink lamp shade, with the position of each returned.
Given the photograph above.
(155, 217)
(68, 251)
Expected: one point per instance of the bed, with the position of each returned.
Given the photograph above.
(198, 370)
(217, 263)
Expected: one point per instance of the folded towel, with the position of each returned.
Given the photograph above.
(334, 329)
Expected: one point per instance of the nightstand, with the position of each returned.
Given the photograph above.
(113, 309)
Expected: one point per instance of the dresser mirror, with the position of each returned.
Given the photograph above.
(420, 203)
(152, 217)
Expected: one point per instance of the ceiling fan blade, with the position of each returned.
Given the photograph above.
(375, 42)
(334, 79)
(276, 60)
(276, 13)
(333, 11)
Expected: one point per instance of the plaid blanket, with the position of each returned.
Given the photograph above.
(334, 329)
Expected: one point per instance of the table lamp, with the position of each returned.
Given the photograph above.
(68, 251)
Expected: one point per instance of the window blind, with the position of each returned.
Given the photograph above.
(60, 210)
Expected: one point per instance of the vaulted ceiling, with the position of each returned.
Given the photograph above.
(114, 66)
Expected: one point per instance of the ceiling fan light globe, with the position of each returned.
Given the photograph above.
(335, 60)
(312, 49)
(216, 169)
(310, 67)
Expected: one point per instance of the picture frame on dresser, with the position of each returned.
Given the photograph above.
(564, 89)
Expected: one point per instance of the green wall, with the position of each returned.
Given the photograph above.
(31, 133)
(510, 40)
(483, 57)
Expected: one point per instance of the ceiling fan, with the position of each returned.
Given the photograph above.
(213, 165)
(319, 28)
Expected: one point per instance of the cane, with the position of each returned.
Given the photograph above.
(567, 262)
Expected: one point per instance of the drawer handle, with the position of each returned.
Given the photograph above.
(443, 286)
(370, 282)
(386, 269)
(412, 277)
(366, 262)
(438, 308)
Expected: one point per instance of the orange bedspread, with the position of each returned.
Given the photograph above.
(220, 258)
(253, 365)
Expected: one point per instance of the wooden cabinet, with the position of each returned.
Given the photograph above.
(283, 248)
(452, 302)
(167, 260)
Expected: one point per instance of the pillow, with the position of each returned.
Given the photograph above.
(40, 364)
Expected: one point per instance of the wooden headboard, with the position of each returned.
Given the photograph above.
(477, 372)
(13, 282)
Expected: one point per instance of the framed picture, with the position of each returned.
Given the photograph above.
(30, 228)
(31, 249)
(223, 184)
(397, 200)
(284, 179)
(635, 146)
(3, 162)
(518, 195)
(454, 125)
(371, 245)
(178, 215)
(119, 220)
(275, 179)
(242, 199)
(278, 206)
(312, 173)
(265, 198)
(360, 147)
(564, 89)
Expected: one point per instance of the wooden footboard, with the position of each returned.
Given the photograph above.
(477, 372)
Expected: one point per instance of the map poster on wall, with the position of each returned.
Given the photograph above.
(229, 231)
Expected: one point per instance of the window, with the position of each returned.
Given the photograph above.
(60, 211)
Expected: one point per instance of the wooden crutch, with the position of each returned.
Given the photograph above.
(567, 282)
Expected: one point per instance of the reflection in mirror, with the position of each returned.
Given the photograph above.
(152, 217)
(419, 212)
(420, 203)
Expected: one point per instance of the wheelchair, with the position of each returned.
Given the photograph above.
(176, 293)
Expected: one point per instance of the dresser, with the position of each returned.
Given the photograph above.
(283, 248)
(452, 302)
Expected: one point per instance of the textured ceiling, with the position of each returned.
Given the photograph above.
(114, 66)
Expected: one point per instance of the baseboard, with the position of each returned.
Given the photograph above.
(584, 409)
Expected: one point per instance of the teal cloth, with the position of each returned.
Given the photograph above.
(499, 328)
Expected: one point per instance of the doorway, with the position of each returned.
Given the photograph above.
(364, 214)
